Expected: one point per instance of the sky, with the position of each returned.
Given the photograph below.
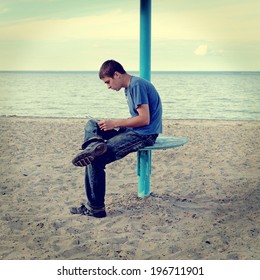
(79, 35)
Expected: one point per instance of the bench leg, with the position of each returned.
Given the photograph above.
(144, 159)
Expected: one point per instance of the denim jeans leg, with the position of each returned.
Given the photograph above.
(118, 147)
(95, 185)
(91, 129)
(95, 177)
(128, 142)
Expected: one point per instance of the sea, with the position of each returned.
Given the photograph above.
(80, 94)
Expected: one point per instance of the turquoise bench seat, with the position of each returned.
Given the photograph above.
(144, 160)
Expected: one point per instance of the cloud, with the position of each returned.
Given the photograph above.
(112, 25)
(202, 50)
(223, 20)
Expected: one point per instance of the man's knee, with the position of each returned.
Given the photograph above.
(90, 123)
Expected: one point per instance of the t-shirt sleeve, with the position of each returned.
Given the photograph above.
(139, 95)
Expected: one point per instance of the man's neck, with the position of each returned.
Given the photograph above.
(126, 80)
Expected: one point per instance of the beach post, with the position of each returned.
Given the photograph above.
(144, 170)
(145, 39)
(144, 156)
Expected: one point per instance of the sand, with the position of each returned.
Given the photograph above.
(205, 201)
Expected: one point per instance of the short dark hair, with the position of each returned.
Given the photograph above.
(109, 68)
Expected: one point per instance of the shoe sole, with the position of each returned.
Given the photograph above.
(88, 155)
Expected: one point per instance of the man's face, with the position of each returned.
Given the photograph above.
(113, 83)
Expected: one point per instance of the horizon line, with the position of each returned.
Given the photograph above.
(152, 71)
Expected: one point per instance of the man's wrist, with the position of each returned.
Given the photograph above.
(117, 124)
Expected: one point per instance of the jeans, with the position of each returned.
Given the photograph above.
(119, 144)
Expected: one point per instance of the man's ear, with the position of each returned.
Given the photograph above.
(117, 75)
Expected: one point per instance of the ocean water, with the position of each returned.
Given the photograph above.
(185, 95)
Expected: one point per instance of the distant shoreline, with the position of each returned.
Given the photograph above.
(164, 119)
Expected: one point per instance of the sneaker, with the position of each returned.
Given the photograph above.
(93, 150)
(83, 210)
(91, 140)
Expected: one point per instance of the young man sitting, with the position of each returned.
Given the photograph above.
(106, 141)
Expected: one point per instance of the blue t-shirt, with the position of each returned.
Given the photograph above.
(141, 92)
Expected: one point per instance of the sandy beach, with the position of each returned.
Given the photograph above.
(205, 201)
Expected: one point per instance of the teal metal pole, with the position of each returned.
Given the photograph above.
(144, 166)
(144, 157)
(145, 39)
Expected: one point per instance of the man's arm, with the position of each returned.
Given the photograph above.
(142, 119)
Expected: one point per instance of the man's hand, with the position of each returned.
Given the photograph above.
(142, 119)
(106, 124)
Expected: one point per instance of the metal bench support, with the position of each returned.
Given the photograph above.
(144, 160)
(144, 169)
